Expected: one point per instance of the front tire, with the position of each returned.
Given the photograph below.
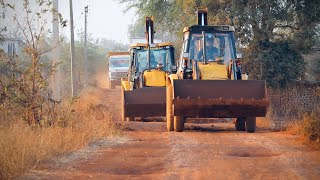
(111, 84)
(129, 119)
(178, 123)
(240, 124)
(122, 105)
(251, 124)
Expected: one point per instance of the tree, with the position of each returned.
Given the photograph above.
(137, 29)
(278, 63)
(27, 83)
(166, 13)
(272, 27)
(257, 22)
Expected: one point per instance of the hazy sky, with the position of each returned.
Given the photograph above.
(105, 19)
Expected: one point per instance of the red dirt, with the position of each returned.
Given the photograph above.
(204, 151)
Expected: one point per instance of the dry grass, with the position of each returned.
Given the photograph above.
(24, 147)
(295, 128)
(263, 122)
(308, 130)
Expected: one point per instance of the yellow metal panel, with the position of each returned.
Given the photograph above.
(173, 76)
(125, 84)
(213, 70)
(154, 78)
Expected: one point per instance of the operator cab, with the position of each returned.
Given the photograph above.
(207, 44)
(161, 59)
(218, 47)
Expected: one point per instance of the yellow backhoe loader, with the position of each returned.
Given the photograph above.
(144, 91)
(209, 82)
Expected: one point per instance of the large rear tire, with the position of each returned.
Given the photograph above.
(111, 84)
(122, 105)
(129, 118)
(251, 124)
(178, 123)
(240, 124)
(169, 106)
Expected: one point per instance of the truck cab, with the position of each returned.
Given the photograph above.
(118, 68)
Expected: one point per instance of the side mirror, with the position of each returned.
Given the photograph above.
(239, 56)
(134, 69)
(185, 56)
(174, 68)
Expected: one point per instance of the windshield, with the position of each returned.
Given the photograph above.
(219, 46)
(157, 56)
(119, 61)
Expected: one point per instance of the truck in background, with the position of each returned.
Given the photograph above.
(118, 67)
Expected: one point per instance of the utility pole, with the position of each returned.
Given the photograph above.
(74, 79)
(85, 57)
(55, 78)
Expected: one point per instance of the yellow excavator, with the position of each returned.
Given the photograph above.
(144, 91)
(209, 82)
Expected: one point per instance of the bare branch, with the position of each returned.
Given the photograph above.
(50, 49)
(23, 32)
(37, 10)
(27, 10)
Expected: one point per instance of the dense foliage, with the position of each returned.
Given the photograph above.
(257, 22)
(277, 63)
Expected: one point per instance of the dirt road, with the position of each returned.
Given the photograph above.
(205, 151)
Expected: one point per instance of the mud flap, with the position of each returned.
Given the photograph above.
(220, 98)
(145, 102)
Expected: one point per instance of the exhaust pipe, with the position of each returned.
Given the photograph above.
(149, 30)
(149, 36)
(202, 16)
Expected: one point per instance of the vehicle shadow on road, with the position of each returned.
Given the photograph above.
(219, 127)
(225, 127)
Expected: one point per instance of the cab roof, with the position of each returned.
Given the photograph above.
(196, 28)
(112, 53)
(163, 44)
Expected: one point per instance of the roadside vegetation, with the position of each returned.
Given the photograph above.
(33, 133)
(311, 128)
(34, 126)
(78, 123)
(308, 130)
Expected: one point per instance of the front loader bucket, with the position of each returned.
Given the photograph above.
(144, 102)
(219, 98)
